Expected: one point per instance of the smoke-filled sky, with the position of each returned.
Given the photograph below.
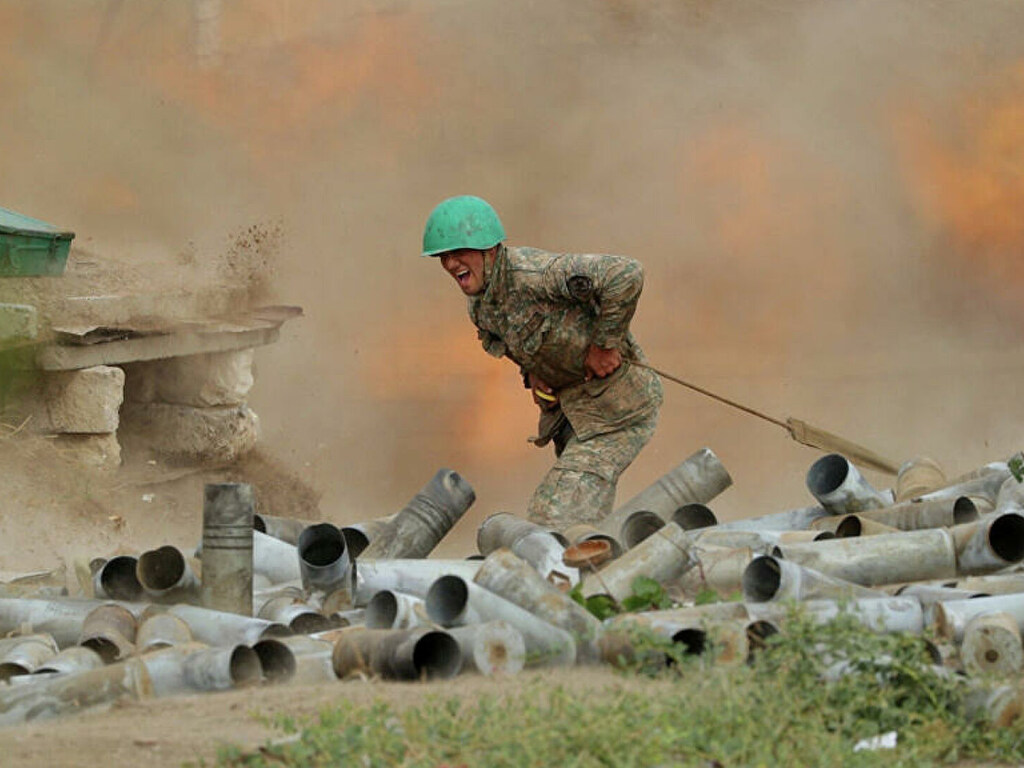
(826, 197)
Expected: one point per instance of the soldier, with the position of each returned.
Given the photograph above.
(564, 319)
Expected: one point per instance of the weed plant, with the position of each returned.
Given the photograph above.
(806, 699)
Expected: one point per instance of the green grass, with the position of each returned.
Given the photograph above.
(775, 711)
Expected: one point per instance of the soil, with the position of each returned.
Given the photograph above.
(828, 221)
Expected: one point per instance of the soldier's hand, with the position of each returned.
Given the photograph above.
(543, 395)
(601, 362)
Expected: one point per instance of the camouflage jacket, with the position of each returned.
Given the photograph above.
(543, 310)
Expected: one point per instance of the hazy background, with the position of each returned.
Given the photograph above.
(827, 198)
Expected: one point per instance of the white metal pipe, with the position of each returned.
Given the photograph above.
(300, 660)
(951, 617)
(881, 614)
(161, 630)
(275, 559)
(390, 609)
(323, 559)
(451, 599)
(884, 559)
(71, 660)
(839, 487)
(425, 520)
(25, 654)
(411, 576)
(540, 547)
(699, 478)
(992, 646)
(115, 579)
(771, 578)
(493, 648)
(228, 547)
(664, 557)
(220, 628)
(517, 581)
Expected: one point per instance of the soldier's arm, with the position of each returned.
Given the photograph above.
(610, 284)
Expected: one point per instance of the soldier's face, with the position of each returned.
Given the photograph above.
(466, 266)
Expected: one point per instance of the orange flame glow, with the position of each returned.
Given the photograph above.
(969, 179)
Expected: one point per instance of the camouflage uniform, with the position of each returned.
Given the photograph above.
(543, 310)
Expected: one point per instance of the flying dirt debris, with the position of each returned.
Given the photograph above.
(266, 611)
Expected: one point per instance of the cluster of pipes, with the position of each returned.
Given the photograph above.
(274, 600)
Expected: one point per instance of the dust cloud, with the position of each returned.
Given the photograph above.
(826, 198)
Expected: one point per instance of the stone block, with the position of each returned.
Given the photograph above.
(85, 401)
(187, 436)
(18, 322)
(95, 451)
(202, 381)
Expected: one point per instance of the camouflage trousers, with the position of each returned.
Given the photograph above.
(580, 487)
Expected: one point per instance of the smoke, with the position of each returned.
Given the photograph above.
(825, 197)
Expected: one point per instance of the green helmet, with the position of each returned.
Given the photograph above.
(462, 222)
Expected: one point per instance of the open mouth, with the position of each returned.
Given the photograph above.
(462, 277)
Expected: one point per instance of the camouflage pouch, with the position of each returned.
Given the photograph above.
(551, 426)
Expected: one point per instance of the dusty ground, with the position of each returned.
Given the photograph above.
(826, 198)
(170, 732)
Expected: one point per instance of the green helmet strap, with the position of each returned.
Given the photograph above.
(462, 222)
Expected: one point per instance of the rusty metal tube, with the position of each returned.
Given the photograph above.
(839, 487)
(411, 576)
(517, 581)
(425, 520)
(664, 557)
(166, 577)
(492, 648)
(452, 600)
(390, 609)
(323, 559)
(992, 646)
(537, 545)
(883, 559)
(717, 568)
(401, 654)
(161, 630)
(994, 542)
(287, 529)
(227, 548)
(917, 477)
(223, 628)
(582, 532)
(698, 479)
(852, 526)
(770, 578)
(110, 631)
(115, 579)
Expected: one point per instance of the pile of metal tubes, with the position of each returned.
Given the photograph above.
(268, 600)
